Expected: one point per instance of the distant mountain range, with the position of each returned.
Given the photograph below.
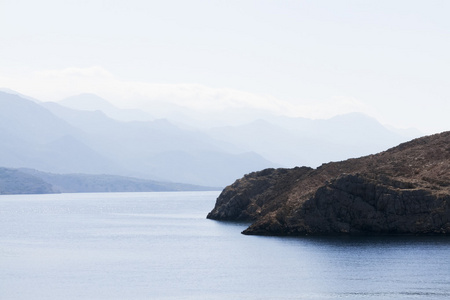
(53, 138)
(92, 102)
(303, 142)
(86, 134)
(29, 181)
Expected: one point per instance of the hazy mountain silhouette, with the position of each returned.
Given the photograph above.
(92, 102)
(9, 91)
(31, 136)
(53, 138)
(304, 142)
(88, 183)
(160, 150)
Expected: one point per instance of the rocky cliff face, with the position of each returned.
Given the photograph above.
(404, 190)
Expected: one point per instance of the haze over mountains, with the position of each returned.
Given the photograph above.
(86, 134)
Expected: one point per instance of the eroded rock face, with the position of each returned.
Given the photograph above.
(405, 190)
(255, 194)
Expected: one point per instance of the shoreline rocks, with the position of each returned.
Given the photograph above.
(404, 190)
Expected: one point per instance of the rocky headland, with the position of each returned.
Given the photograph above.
(404, 190)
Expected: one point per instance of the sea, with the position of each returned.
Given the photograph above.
(161, 246)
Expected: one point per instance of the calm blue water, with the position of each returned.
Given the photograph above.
(160, 246)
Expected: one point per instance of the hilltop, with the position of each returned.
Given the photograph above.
(404, 190)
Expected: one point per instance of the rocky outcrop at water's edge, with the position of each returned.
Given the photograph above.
(404, 190)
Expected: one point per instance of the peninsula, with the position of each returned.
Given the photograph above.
(404, 190)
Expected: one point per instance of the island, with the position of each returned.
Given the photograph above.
(403, 190)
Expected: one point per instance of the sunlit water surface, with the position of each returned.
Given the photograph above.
(161, 246)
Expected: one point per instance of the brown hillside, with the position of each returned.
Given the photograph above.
(404, 190)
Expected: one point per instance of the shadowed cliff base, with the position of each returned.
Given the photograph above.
(404, 190)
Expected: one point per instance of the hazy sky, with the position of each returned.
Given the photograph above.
(389, 59)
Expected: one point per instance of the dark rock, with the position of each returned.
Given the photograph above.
(255, 194)
(404, 190)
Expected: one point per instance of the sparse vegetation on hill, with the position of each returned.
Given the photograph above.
(404, 190)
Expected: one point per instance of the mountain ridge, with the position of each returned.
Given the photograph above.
(31, 181)
(294, 142)
(52, 138)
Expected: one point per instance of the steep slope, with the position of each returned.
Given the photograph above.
(28, 121)
(404, 190)
(33, 137)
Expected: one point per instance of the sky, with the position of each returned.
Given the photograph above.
(315, 59)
